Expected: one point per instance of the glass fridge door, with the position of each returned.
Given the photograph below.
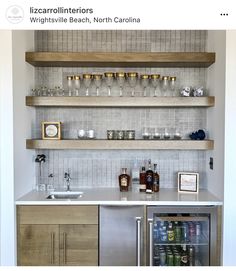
(179, 239)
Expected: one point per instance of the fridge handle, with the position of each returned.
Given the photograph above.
(138, 241)
(150, 225)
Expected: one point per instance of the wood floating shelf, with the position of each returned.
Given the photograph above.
(99, 144)
(121, 101)
(128, 59)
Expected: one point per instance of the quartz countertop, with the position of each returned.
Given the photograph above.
(112, 196)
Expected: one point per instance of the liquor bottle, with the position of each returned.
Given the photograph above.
(156, 180)
(142, 180)
(149, 178)
(124, 180)
(135, 176)
(184, 257)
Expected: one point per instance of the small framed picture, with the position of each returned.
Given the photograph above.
(188, 182)
(51, 130)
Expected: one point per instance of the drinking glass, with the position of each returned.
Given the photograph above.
(87, 79)
(76, 84)
(44, 91)
(33, 92)
(69, 85)
(165, 85)
(146, 133)
(132, 79)
(144, 82)
(97, 78)
(109, 78)
(172, 85)
(155, 80)
(120, 77)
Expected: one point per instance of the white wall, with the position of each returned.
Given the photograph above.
(23, 81)
(17, 166)
(215, 115)
(7, 210)
(229, 234)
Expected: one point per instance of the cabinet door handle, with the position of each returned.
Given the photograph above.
(64, 248)
(138, 241)
(52, 248)
(150, 226)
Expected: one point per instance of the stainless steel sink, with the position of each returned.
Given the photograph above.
(65, 195)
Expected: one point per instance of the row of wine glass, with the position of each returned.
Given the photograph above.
(81, 85)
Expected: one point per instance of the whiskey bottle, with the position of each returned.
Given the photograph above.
(156, 180)
(142, 180)
(124, 180)
(184, 256)
(149, 178)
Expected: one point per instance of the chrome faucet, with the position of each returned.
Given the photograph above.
(68, 179)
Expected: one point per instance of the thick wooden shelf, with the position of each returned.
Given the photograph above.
(121, 101)
(120, 144)
(128, 59)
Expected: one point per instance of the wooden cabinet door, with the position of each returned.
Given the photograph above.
(79, 245)
(38, 245)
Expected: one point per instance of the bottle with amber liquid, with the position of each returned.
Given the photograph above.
(149, 178)
(156, 180)
(124, 180)
(142, 180)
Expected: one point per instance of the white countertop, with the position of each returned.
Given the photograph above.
(112, 196)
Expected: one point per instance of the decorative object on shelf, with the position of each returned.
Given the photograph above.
(132, 79)
(198, 135)
(51, 130)
(97, 78)
(188, 182)
(83, 134)
(109, 78)
(198, 91)
(186, 91)
(144, 82)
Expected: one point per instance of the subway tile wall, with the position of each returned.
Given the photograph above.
(101, 168)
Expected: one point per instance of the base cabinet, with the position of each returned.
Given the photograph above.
(53, 243)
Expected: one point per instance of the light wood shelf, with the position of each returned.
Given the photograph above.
(121, 101)
(115, 59)
(120, 144)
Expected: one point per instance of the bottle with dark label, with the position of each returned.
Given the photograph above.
(124, 180)
(184, 257)
(142, 180)
(149, 178)
(191, 253)
(156, 180)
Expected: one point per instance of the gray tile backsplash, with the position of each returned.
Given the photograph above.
(101, 168)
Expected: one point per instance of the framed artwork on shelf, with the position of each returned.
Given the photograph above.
(51, 130)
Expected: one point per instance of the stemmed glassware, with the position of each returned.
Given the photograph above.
(120, 77)
(76, 84)
(97, 78)
(155, 80)
(70, 85)
(144, 82)
(172, 85)
(165, 85)
(132, 79)
(109, 79)
(87, 79)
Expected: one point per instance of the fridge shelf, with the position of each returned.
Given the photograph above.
(183, 243)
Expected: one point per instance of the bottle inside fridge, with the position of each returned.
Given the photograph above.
(182, 236)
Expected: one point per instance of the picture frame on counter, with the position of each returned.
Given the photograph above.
(188, 182)
(51, 130)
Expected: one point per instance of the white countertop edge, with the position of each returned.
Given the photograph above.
(148, 203)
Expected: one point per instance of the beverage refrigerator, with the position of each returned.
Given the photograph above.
(158, 236)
